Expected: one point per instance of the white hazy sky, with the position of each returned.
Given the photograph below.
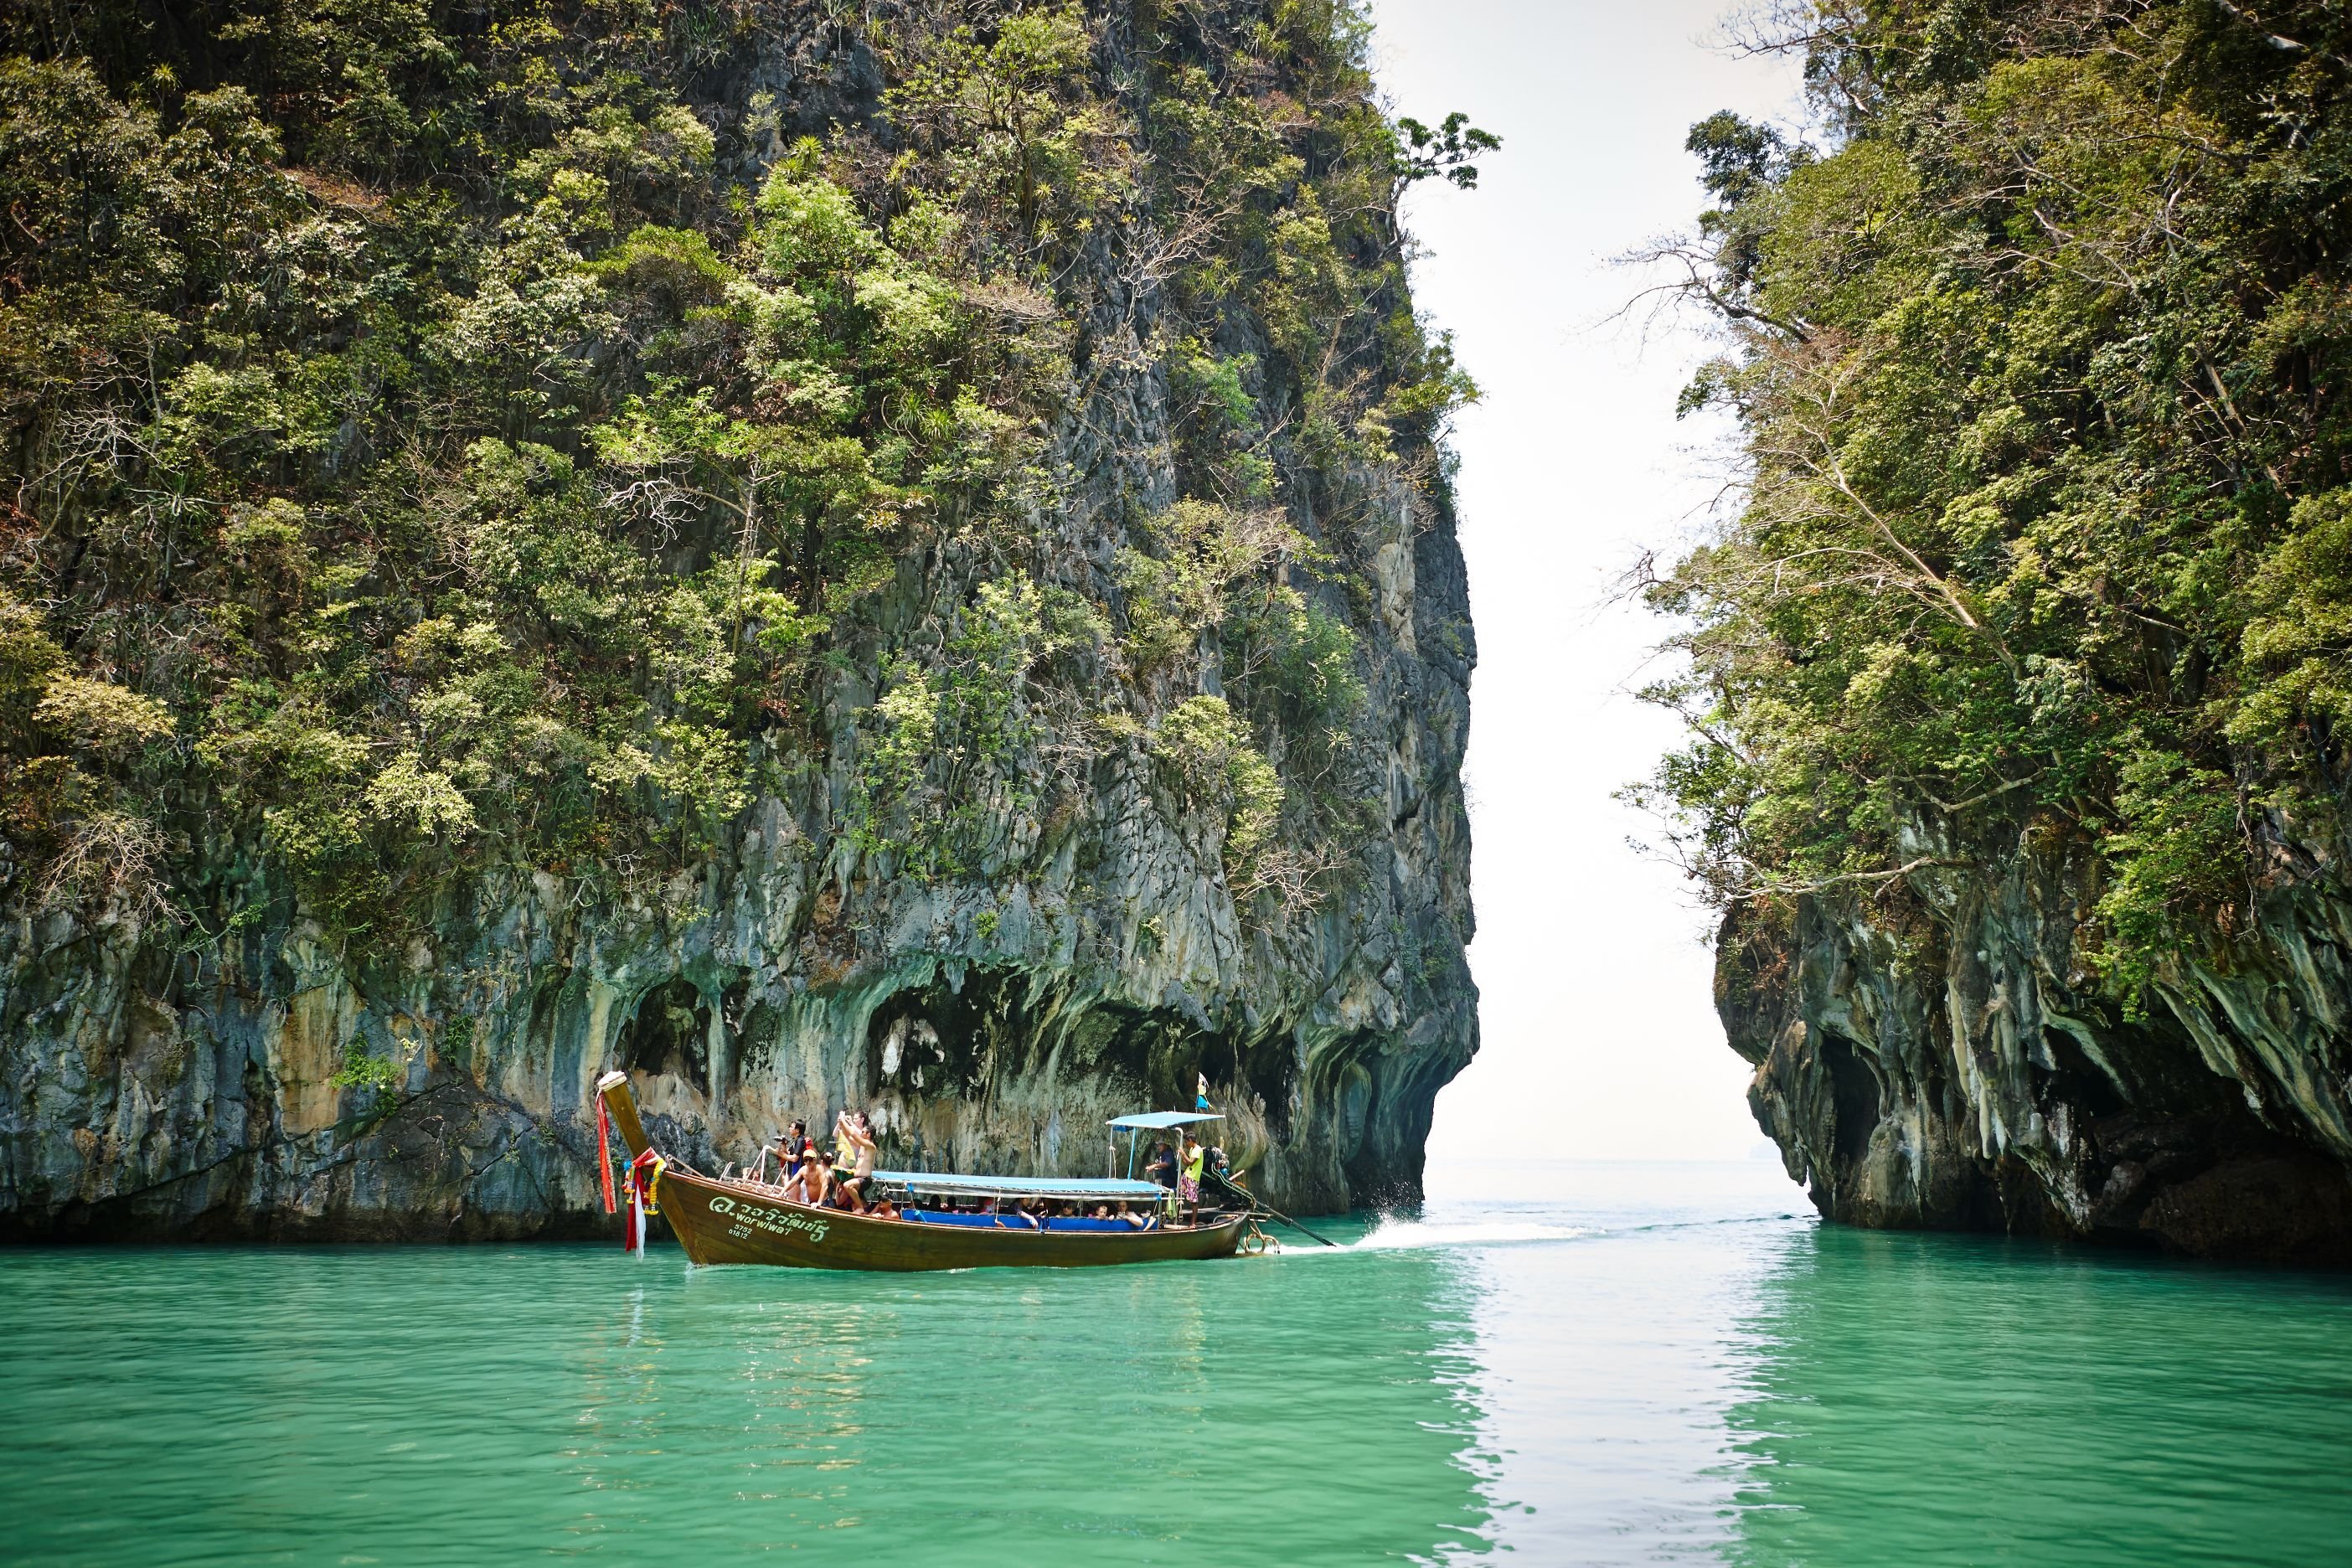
(1600, 1039)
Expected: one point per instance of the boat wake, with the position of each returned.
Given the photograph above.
(1404, 1235)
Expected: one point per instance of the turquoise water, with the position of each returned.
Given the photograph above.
(1566, 1364)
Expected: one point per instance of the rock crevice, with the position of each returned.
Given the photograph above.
(1942, 1058)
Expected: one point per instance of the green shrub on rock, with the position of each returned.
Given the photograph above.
(447, 448)
(2037, 361)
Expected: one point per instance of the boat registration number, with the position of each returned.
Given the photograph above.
(745, 1219)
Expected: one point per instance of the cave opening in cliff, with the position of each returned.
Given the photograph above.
(669, 1033)
(2085, 1084)
(1856, 1095)
(945, 1039)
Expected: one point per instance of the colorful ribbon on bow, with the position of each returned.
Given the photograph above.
(645, 1193)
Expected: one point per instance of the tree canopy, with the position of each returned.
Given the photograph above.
(441, 436)
(2038, 345)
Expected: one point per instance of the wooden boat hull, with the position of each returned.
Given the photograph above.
(717, 1220)
(740, 1222)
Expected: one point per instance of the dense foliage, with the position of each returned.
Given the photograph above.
(443, 435)
(2040, 370)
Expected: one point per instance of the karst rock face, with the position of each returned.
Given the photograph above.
(1090, 959)
(1943, 1060)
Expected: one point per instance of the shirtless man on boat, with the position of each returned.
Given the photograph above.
(856, 1129)
(813, 1183)
(942, 1219)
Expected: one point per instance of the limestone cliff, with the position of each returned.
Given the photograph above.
(994, 946)
(1942, 1060)
(2017, 680)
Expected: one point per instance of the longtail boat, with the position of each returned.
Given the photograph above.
(737, 1219)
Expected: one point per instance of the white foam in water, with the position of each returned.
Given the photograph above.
(1395, 1235)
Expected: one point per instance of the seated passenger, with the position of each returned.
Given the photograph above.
(813, 1183)
(844, 1195)
(883, 1208)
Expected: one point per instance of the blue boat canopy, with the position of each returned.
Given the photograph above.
(1165, 1118)
(959, 1184)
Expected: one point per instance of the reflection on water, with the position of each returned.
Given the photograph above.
(1953, 1400)
(1563, 1365)
(467, 1406)
(1607, 1369)
(1125, 1413)
(1709, 1379)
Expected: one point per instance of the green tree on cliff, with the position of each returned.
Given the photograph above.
(2040, 362)
(2039, 355)
(441, 439)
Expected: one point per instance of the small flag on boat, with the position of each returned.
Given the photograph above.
(1201, 1101)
